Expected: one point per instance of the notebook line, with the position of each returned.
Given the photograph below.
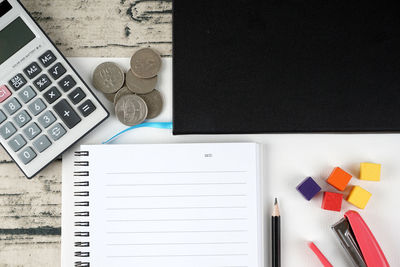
(241, 183)
(238, 195)
(168, 244)
(182, 255)
(173, 208)
(180, 220)
(166, 232)
(173, 172)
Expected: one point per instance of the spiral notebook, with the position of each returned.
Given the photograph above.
(166, 205)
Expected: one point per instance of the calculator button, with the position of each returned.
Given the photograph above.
(87, 107)
(27, 94)
(67, 113)
(77, 95)
(32, 70)
(47, 58)
(37, 106)
(42, 143)
(17, 142)
(7, 130)
(4, 93)
(22, 118)
(27, 155)
(52, 95)
(32, 131)
(47, 119)
(3, 117)
(67, 83)
(12, 106)
(42, 82)
(17, 82)
(57, 71)
(57, 131)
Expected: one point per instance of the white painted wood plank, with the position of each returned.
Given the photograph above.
(30, 216)
(30, 203)
(105, 28)
(31, 251)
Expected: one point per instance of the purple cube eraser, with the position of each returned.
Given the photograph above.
(308, 188)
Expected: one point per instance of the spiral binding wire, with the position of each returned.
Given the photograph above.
(81, 153)
(81, 193)
(81, 173)
(81, 163)
(82, 217)
(82, 264)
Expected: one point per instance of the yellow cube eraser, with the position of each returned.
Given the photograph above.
(370, 171)
(359, 197)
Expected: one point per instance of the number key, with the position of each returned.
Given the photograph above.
(52, 95)
(47, 119)
(22, 118)
(27, 94)
(32, 131)
(27, 155)
(32, 70)
(17, 142)
(42, 82)
(17, 82)
(37, 106)
(12, 106)
(57, 71)
(7, 130)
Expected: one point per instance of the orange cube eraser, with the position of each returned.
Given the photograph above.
(339, 179)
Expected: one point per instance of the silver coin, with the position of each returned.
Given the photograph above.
(139, 85)
(123, 91)
(131, 110)
(154, 102)
(108, 78)
(146, 63)
(110, 97)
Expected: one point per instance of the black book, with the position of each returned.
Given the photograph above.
(259, 66)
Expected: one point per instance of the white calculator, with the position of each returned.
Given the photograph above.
(45, 106)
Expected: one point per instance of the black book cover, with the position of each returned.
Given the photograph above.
(256, 66)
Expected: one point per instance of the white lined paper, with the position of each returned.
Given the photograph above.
(170, 205)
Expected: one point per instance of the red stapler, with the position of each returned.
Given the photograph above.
(358, 240)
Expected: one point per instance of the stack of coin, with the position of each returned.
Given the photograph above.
(133, 94)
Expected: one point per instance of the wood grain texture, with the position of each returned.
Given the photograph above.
(30, 216)
(30, 210)
(105, 28)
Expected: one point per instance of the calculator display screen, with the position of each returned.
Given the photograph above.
(13, 37)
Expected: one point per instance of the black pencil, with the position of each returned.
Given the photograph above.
(276, 235)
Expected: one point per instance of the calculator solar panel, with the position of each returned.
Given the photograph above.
(45, 106)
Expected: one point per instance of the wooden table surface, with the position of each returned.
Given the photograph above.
(30, 210)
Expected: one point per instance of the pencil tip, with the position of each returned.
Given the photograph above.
(275, 211)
